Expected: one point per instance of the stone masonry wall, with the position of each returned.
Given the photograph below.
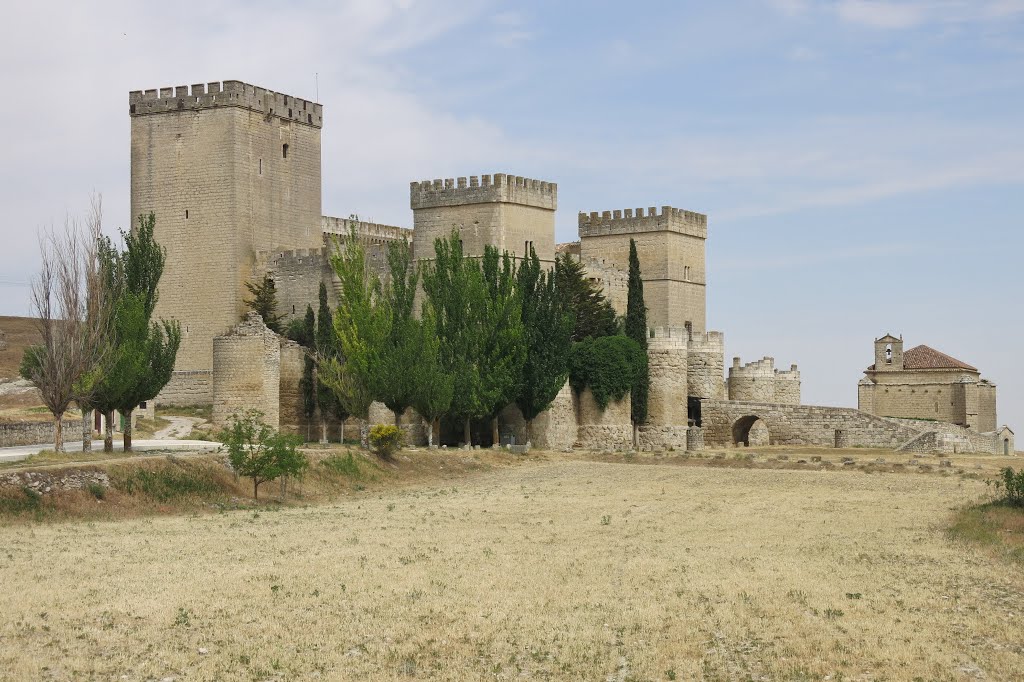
(187, 388)
(599, 429)
(554, 429)
(247, 372)
(34, 433)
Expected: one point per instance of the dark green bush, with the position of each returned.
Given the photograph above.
(607, 365)
(1011, 487)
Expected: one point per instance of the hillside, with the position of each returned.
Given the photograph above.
(20, 332)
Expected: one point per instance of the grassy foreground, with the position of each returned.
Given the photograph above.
(552, 570)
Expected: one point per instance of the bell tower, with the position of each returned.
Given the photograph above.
(889, 353)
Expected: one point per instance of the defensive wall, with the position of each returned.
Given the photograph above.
(760, 381)
(226, 94)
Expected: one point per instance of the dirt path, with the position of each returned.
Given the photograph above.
(179, 427)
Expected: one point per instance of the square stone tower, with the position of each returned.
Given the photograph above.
(509, 212)
(670, 245)
(229, 169)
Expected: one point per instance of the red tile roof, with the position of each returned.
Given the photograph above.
(923, 357)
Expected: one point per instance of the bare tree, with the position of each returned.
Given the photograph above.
(69, 303)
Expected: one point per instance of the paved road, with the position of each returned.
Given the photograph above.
(20, 452)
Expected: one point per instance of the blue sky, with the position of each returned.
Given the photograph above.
(861, 162)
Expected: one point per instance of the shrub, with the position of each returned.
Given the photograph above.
(259, 452)
(385, 439)
(607, 365)
(1011, 485)
(344, 466)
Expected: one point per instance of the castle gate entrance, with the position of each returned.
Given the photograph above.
(750, 430)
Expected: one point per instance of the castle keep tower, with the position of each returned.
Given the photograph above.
(509, 212)
(670, 245)
(228, 169)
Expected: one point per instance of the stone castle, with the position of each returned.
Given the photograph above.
(233, 173)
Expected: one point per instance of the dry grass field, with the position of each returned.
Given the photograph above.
(568, 570)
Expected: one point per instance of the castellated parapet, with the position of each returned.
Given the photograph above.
(706, 366)
(760, 382)
(509, 212)
(226, 94)
(640, 220)
(501, 187)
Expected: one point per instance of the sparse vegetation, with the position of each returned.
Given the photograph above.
(385, 440)
(257, 451)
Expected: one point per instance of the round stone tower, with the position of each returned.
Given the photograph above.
(753, 382)
(667, 404)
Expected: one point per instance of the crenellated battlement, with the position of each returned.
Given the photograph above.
(791, 374)
(225, 94)
(643, 220)
(708, 342)
(370, 232)
(497, 188)
(765, 367)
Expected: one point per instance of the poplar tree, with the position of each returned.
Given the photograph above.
(359, 328)
(434, 385)
(547, 329)
(502, 349)
(396, 385)
(143, 351)
(452, 283)
(636, 329)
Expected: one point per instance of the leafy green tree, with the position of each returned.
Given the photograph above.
(636, 329)
(360, 327)
(257, 451)
(143, 351)
(607, 365)
(547, 329)
(395, 385)
(502, 338)
(264, 302)
(453, 285)
(326, 350)
(593, 315)
(434, 385)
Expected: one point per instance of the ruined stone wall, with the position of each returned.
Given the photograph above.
(213, 165)
(187, 389)
(503, 211)
(670, 247)
(804, 425)
(553, 429)
(599, 429)
(705, 366)
(945, 437)
(247, 372)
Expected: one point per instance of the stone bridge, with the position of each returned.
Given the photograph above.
(728, 423)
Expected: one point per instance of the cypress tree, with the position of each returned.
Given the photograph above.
(636, 329)
(396, 384)
(308, 383)
(593, 315)
(326, 350)
(264, 302)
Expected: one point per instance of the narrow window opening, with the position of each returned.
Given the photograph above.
(261, 166)
(689, 330)
(284, 151)
(289, 113)
(309, 118)
(186, 214)
(293, 310)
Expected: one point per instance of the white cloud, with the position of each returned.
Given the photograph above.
(881, 14)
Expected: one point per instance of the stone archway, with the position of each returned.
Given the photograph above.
(750, 430)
